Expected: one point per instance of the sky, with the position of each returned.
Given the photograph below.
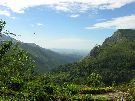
(67, 24)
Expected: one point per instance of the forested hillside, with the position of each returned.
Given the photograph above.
(113, 60)
(45, 59)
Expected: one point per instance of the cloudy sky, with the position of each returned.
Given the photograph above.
(74, 24)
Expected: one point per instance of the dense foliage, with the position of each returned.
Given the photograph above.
(91, 79)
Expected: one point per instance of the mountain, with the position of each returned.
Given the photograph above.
(114, 60)
(75, 52)
(45, 59)
(121, 35)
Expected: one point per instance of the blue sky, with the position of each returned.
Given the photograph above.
(70, 24)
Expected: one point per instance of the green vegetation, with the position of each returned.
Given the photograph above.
(45, 59)
(106, 74)
(113, 61)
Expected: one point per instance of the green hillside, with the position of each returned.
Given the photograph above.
(113, 60)
(45, 59)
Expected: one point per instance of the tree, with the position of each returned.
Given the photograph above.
(16, 66)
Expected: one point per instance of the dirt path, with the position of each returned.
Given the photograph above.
(115, 96)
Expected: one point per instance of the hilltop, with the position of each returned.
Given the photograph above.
(121, 35)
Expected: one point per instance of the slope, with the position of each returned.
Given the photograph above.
(45, 59)
(113, 60)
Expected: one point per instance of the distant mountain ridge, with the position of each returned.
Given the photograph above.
(45, 59)
(77, 52)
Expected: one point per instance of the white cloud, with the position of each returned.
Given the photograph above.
(40, 24)
(74, 15)
(5, 13)
(126, 22)
(13, 17)
(101, 19)
(64, 5)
